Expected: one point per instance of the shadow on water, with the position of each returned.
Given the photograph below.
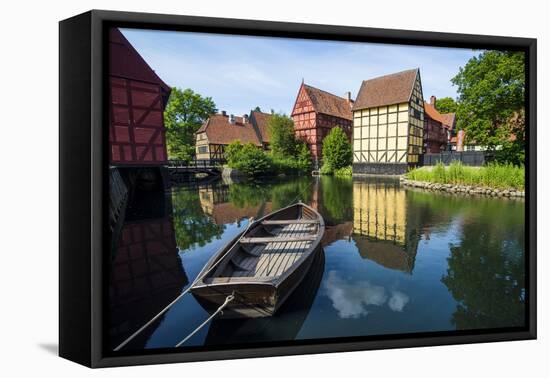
(146, 272)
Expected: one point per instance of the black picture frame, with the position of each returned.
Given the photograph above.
(83, 192)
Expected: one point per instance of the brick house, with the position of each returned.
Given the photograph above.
(219, 130)
(316, 112)
(436, 133)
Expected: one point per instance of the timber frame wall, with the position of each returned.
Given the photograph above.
(388, 139)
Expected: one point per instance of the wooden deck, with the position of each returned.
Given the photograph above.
(273, 256)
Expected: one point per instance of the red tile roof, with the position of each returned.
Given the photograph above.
(220, 131)
(449, 120)
(432, 112)
(386, 90)
(328, 103)
(261, 122)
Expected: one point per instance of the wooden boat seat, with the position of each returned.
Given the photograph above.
(278, 239)
(290, 221)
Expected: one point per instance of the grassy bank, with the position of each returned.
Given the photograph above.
(491, 176)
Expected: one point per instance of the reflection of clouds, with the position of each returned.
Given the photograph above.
(351, 299)
(398, 300)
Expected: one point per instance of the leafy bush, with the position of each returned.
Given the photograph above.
(502, 176)
(337, 151)
(248, 158)
(343, 172)
(326, 168)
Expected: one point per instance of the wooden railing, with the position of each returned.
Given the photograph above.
(196, 163)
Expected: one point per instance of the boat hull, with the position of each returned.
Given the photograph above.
(252, 300)
(262, 266)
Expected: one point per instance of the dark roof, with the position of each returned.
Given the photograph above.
(220, 131)
(125, 61)
(261, 122)
(328, 103)
(386, 90)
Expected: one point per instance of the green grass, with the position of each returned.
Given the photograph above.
(497, 176)
(343, 172)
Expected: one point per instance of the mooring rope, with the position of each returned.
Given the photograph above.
(228, 299)
(199, 276)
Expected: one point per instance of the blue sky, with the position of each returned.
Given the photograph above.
(241, 72)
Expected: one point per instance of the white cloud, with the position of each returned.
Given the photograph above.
(242, 72)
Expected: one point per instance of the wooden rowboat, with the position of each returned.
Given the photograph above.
(263, 265)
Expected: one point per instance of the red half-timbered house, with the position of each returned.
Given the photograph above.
(137, 101)
(438, 128)
(435, 133)
(316, 112)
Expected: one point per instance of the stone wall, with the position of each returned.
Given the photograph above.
(464, 189)
(379, 169)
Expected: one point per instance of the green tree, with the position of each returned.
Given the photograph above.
(248, 158)
(446, 105)
(303, 156)
(283, 140)
(184, 115)
(257, 109)
(337, 151)
(491, 100)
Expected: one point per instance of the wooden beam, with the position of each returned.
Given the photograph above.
(290, 221)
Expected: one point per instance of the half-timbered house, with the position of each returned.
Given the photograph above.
(316, 112)
(219, 130)
(137, 98)
(436, 134)
(388, 121)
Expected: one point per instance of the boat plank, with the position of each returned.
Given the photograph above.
(275, 251)
(290, 221)
(278, 239)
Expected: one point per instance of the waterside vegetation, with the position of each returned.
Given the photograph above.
(497, 176)
(288, 155)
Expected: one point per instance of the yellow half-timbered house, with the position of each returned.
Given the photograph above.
(388, 119)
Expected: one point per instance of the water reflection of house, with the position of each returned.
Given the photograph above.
(146, 273)
(337, 232)
(385, 229)
(215, 202)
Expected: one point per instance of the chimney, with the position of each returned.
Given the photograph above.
(245, 118)
(347, 96)
(224, 113)
(432, 100)
(232, 119)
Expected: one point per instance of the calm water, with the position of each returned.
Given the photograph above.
(395, 261)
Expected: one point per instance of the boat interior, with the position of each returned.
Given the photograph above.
(270, 247)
